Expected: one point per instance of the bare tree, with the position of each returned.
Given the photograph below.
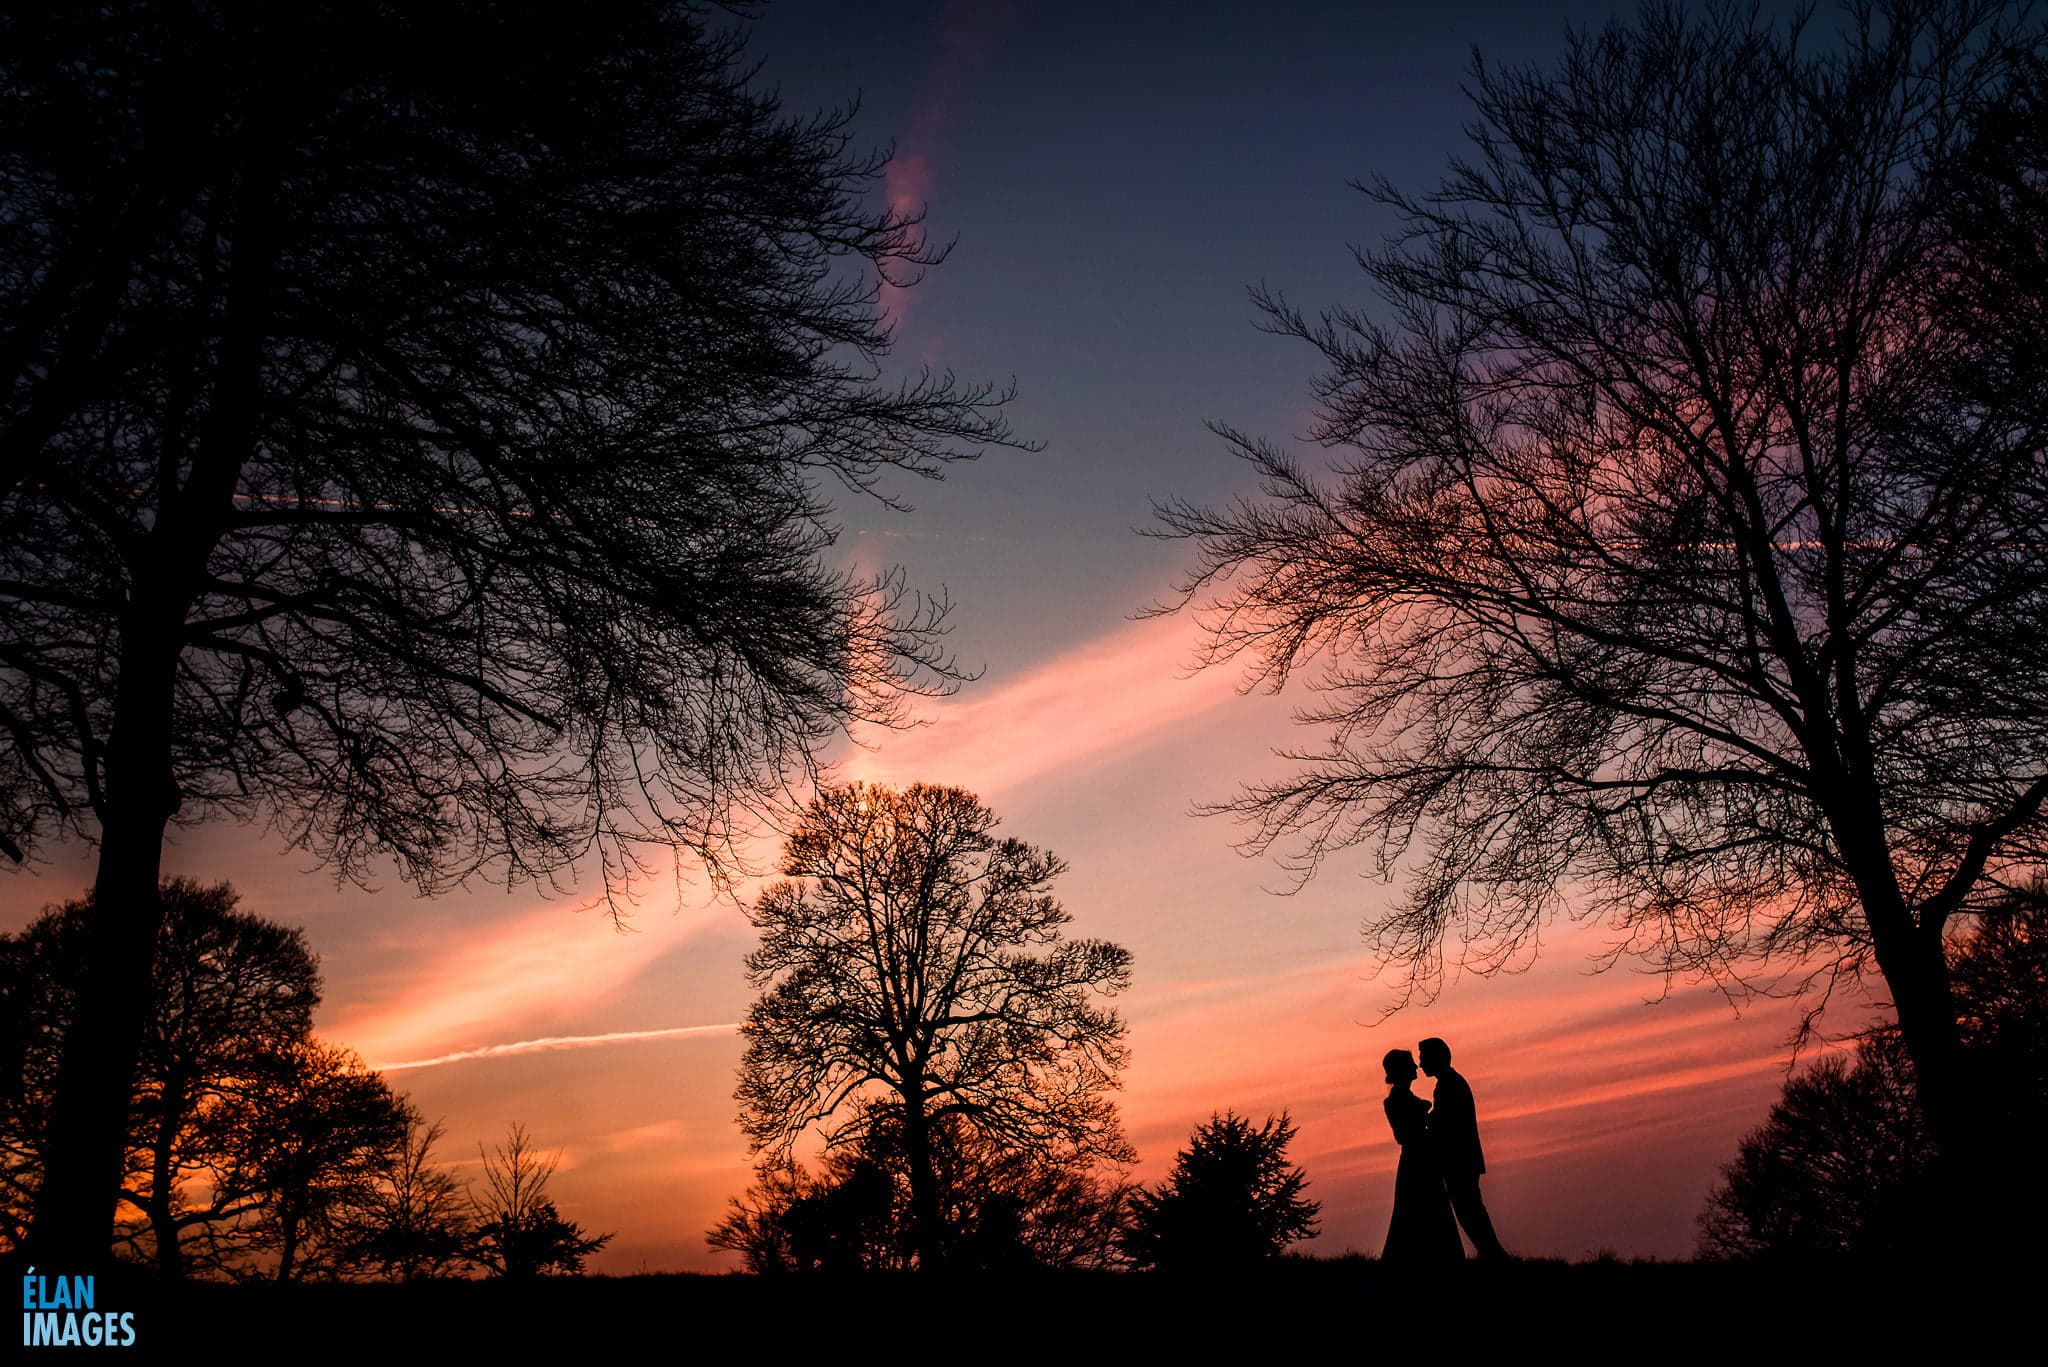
(416, 425)
(413, 1222)
(1684, 564)
(757, 1224)
(519, 1234)
(913, 968)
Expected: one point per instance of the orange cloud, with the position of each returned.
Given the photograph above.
(547, 963)
(1080, 708)
(1578, 1080)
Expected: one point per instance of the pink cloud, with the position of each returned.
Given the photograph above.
(968, 38)
(1603, 1116)
(1082, 707)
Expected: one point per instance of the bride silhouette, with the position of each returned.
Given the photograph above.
(1423, 1232)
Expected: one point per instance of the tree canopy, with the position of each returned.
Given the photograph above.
(231, 992)
(253, 1150)
(914, 969)
(1000, 1207)
(413, 1221)
(456, 387)
(1680, 561)
(417, 430)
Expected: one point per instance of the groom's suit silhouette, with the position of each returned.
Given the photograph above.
(1454, 1140)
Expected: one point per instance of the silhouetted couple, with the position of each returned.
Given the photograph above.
(1436, 1188)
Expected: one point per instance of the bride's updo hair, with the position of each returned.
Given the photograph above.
(1399, 1065)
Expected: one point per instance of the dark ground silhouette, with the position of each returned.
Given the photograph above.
(1676, 1311)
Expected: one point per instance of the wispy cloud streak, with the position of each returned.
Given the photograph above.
(554, 1042)
(548, 962)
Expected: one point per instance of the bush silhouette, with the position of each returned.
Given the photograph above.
(1232, 1199)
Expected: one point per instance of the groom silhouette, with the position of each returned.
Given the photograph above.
(1454, 1139)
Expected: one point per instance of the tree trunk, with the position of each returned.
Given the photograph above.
(288, 1245)
(1914, 963)
(925, 1233)
(95, 1077)
(163, 1215)
(1916, 970)
(75, 1208)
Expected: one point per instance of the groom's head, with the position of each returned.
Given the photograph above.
(1436, 1055)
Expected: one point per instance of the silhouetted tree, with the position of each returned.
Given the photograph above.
(844, 1219)
(415, 428)
(1684, 565)
(1232, 1200)
(912, 969)
(519, 1234)
(1075, 1216)
(756, 1224)
(305, 1140)
(413, 1222)
(230, 993)
(1841, 1166)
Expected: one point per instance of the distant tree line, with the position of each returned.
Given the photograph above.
(256, 1151)
(998, 1208)
(1231, 1201)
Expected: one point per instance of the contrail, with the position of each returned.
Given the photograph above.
(535, 1046)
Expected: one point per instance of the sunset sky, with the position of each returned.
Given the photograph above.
(1115, 181)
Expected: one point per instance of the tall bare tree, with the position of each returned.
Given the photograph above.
(416, 424)
(1683, 563)
(914, 968)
